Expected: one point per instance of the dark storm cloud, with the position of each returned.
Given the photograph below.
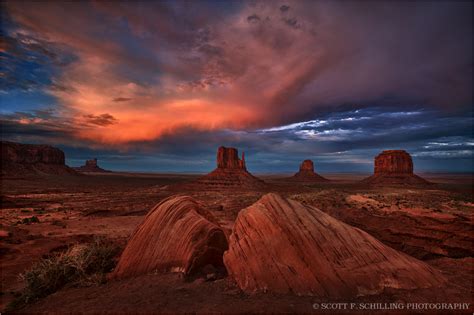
(100, 120)
(340, 141)
(337, 81)
(121, 99)
(333, 53)
(27, 62)
(253, 18)
(39, 126)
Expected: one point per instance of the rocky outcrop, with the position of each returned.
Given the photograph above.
(393, 162)
(228, 158)
(307, 174)
(91, 166)
(26, 159)
(394, 167)
(231, 173)
(282, 246)
(177, 235)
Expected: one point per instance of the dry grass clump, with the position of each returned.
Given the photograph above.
(84, 265)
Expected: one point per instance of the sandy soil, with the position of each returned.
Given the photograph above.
(433, 224)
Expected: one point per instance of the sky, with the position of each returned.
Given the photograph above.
(158, 86)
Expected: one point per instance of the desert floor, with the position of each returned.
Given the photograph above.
(433, 224)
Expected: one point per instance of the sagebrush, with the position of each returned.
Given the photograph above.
(80, 265)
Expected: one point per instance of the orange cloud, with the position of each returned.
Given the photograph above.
(260, 66)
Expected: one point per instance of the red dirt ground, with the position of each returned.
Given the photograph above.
(433, 224)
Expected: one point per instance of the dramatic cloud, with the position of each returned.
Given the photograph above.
(308, 77)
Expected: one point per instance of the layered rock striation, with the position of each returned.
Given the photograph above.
(27, 159)
(394, 167)
(307, 173)
(177, 235)
(282, 246)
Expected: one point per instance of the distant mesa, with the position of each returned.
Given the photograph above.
(307, 174)
(31, 159)
(177, 235)
(91, 166)
(231, 172)
(394, 167)
(282, 246)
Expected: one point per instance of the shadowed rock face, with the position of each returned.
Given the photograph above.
(22, 159)
(307, 166)
(307, 174)
(394, 167)
(177, 235)
(31, 154)
(90, 166)
(91, 163)
(281, 246)
(393, 161)
(228, 158)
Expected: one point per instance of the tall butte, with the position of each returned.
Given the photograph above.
(231, 172)
(307, 173)
(394, 167)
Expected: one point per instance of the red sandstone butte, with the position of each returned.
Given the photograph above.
(177, 235)
(231, 172)
(307, 174)
(91, 166)
(281, 246)
(394, 167)
(32, 159)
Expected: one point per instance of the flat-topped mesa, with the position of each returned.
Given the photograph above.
(228, 158)
(394, 167)
(91, 163)
(90, 166)
(31, 154)
(393, 161)
(23, 159)
(307, 174)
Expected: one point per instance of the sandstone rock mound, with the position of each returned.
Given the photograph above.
(394, 167)
(30, 159)
(231, 173)
(282, 246)
(307, 174)
(177, 235)
(91, 166)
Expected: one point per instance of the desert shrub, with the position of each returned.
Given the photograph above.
(33, 219)
(85, 265)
